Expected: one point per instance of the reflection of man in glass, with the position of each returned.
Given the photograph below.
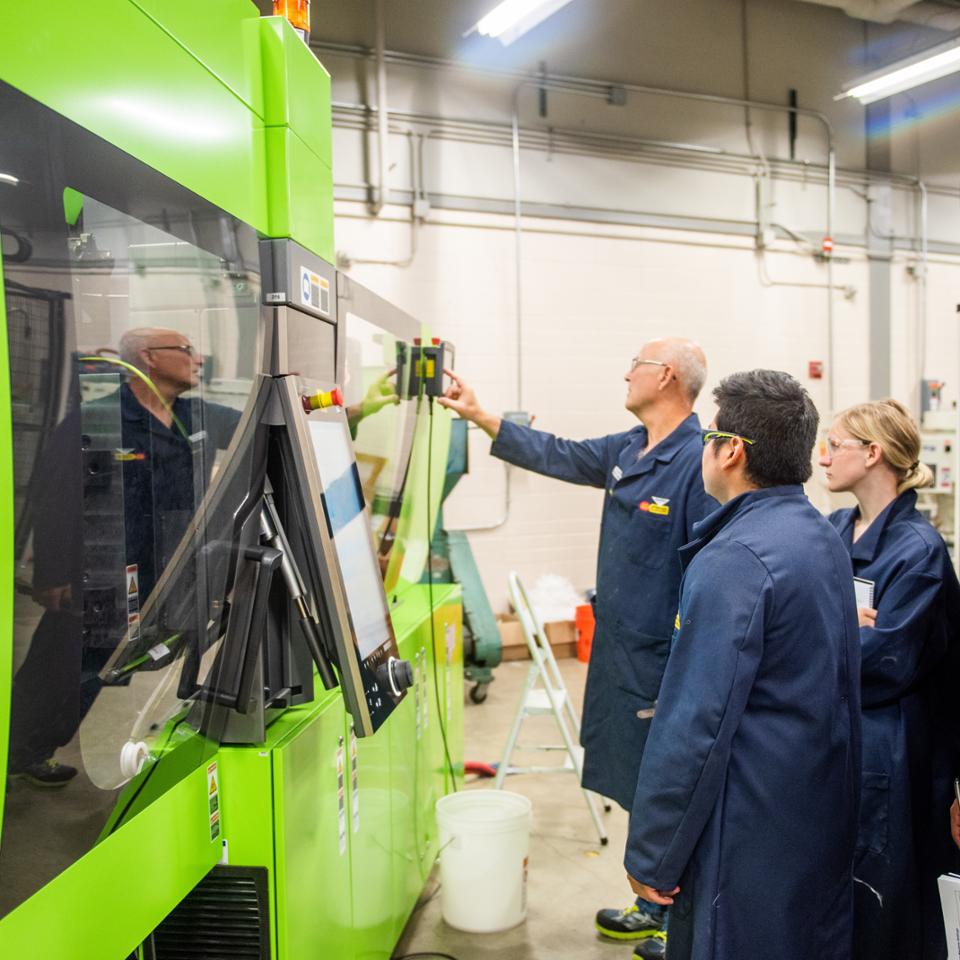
(168, 443)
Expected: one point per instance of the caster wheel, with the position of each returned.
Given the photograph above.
(604, 841)
(479, 693)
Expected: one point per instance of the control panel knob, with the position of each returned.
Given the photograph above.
(396, 674)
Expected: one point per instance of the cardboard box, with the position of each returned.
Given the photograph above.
(561, 634)
(511, 638)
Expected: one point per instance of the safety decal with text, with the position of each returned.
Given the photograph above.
(213, 801)
(133, 603)
(314, 291)
(354, 782)
(341, 800)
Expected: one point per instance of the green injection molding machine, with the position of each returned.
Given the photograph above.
(229, 698)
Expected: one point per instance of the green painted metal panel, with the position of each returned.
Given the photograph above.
(300, 190)
(405, 729)
(130, 84)
(296, 88)
(253, 799)
(371, 842)
(312, 857)
(138, 873)
(6, 548)
(222, 34)
(246, 780)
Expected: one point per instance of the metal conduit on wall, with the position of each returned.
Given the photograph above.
(601, 144)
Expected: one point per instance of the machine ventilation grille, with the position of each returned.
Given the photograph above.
(224, 917)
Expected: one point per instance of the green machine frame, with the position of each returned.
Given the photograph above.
(312, 842)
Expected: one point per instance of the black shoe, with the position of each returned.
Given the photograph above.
(653, 948)
(629, 924)
(46, 773)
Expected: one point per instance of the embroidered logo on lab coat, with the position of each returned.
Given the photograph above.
(660, 506)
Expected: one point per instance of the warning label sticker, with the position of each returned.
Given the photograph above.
(213, 801)
(314, 291)
(354, 782)
(133, 603)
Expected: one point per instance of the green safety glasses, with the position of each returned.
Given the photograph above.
(709, 435)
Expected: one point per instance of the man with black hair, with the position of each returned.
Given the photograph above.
(745, 813)
(653, 495)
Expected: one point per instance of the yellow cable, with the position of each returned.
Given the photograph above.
(136, 371)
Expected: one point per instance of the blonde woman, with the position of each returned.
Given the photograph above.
(873, 451)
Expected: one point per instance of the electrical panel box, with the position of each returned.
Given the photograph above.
(938, 452)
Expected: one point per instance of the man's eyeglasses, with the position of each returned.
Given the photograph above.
(709, 435)
(834, 446)
(188, 348)
(636, 361)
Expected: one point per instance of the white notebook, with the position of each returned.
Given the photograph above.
(950, 902)
(863, 589)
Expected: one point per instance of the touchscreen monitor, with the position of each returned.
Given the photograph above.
(348, 524)
(340, 561)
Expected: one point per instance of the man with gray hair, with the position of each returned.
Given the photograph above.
(653, 496)
(168, 444)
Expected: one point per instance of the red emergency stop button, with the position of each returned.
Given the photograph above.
(322, 399)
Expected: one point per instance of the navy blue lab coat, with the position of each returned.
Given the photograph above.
(748, 791)
(904, 843)
(651, 504)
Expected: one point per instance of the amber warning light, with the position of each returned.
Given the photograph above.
(297, 12)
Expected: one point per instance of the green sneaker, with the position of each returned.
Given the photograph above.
(629, 924)
(46, 773)
(653, 948)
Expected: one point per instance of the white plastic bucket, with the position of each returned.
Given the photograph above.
(484, 848)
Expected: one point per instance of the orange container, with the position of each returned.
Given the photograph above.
(585, 624)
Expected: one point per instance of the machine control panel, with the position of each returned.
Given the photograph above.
(420, 367)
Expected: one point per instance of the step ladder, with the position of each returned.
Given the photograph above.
(545, 693)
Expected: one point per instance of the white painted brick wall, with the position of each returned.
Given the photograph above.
(592, 296)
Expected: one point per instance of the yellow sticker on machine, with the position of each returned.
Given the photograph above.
(213, 797)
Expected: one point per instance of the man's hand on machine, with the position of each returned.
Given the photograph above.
(663, 897)
(955, 822)
(462, 400)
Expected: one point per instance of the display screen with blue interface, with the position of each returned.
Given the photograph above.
(349, 527)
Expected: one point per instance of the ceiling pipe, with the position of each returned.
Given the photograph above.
(597, 90)
(383, 117)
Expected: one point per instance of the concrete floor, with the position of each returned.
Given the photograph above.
(571, 875)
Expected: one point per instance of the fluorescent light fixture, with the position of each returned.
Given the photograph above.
(513, 18)
(9, 178)
(939, 61)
